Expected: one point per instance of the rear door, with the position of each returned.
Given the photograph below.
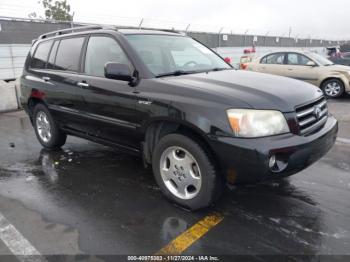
(36, 77)
(109, 105)
(61, 74)
(298, 68)
(272, 64)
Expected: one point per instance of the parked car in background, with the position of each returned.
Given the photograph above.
(341, 59)
(177, 104)
(333, 51)
(307, 66)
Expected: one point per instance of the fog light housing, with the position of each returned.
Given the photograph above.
(272, 161)
(278, 163)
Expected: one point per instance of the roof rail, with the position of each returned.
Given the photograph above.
(70, 30)
(150, 29)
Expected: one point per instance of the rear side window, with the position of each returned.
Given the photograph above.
(293, 59)
(40, 56)
(273, 59)
(51, 61)
(68, 54)
(101, 50)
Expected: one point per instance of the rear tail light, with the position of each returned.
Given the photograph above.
(244, 66)
(228, 60)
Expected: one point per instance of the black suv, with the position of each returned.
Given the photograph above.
(178, 104)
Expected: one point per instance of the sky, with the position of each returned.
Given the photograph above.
(317, 19)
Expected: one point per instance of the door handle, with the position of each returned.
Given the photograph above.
(290, 69)
(83, 84)
(46, 78)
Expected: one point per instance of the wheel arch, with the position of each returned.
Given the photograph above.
(157, 129)
(32, 102)
(330, 78)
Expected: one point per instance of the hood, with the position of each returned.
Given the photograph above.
(259, 91)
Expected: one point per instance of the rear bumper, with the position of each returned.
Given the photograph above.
(247, 160)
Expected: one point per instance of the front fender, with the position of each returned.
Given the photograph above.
(208, 121)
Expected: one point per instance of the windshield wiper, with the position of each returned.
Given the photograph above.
(177, 73)
(219, 69)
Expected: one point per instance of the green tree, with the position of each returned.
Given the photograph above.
(57, 10)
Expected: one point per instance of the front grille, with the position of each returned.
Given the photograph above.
(312, 117)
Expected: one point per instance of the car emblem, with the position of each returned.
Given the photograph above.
(317, 112)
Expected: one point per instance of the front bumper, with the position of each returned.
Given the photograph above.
(247, 160)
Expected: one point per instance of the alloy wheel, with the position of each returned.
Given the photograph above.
(332, 89)
(180, 172)
(43, 126)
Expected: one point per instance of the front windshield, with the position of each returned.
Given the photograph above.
(166, 54)
(320, 59)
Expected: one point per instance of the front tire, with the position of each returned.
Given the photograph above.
(46, 129)
(333, 88)
(185, 172)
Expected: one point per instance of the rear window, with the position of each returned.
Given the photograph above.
(68, 54)
(40, 56)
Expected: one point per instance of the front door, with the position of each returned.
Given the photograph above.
(109, 105)
(298, 67)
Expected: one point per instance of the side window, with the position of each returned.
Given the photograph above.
(264, 60)
(297, 59)
(101, 50)
(68, 54)
(303, 60)
(275, 59)
(40, 56)
(51, 61)
(293, 59)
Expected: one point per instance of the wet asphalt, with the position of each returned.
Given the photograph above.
(91, 199)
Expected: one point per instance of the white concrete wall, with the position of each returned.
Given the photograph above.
(12, 58)
(8, 96)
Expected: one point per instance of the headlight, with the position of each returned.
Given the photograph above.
(257, 123)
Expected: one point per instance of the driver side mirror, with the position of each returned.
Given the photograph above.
(311, 63)
(118, 71)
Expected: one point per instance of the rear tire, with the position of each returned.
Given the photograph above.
(46, 129)
(333, 88)
(185, 172)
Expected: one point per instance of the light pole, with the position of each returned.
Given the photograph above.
(296, 40)
(72, 23)
(310, 40)
(245, 37)
(266, 37)
(220, 36)
(281, 39)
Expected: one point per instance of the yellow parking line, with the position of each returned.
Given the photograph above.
(191, 235)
